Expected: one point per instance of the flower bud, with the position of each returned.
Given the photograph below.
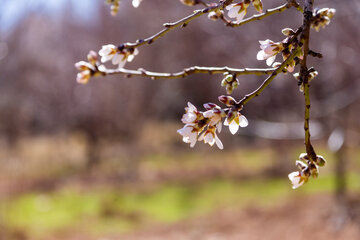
(213, 16)
(320, 161)
(312, 75)
(229, 89)
(227, 100)
(258, 5)
(288, 32)
(92, 57)
(210, 106)
(189, 2)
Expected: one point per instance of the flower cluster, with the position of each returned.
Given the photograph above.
(321, 17)
(202, 126)
(239, 10)
(230, 82)
(117, 55)
(269, 50)
(307, 169)
(87, 69)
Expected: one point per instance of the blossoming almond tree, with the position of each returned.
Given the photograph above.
(206, 125)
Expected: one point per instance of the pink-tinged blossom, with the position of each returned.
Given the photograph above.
(234, 120)
(209, 136)
(238, 11)
(268, 51)
(86, 70)
(189, 134)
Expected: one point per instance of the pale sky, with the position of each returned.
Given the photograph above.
(12, 10)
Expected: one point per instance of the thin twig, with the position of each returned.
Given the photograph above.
(304, 76)
(268, 80)
(267, 13)
(189, 71)
(182, 22)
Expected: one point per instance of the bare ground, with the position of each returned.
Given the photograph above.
(314, 217)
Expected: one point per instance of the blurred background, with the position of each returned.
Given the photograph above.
(103, 161)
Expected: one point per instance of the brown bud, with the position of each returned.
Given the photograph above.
(227, 100)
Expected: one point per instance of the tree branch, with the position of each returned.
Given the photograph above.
(267, 81)
(188, 71)
(182, 22)
(267, 13)
(304, 76)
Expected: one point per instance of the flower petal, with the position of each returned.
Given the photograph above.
(243, 122)
(270, 60)
(233, 127)
(219, 143)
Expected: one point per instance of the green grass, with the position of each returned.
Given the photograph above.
(119, 210)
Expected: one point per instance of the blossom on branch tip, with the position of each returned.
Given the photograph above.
(269, 50)
(86, 69)
(111, 52)
(297, 179)
(238, 10)
(308, 167)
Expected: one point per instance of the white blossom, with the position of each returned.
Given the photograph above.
(237, 10)
(235, 121)
(85, 69)
(296, 179)
(209, 136)
(190, 115)
(268, 51)
(110, 52)
(189, 133)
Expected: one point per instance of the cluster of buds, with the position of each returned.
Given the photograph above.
(312, 74)
(269, 50)
(87, 69)
(202, 126)
(307, 169)
(239, 10)
(230, 82)
(117, 55)
(321, 17)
